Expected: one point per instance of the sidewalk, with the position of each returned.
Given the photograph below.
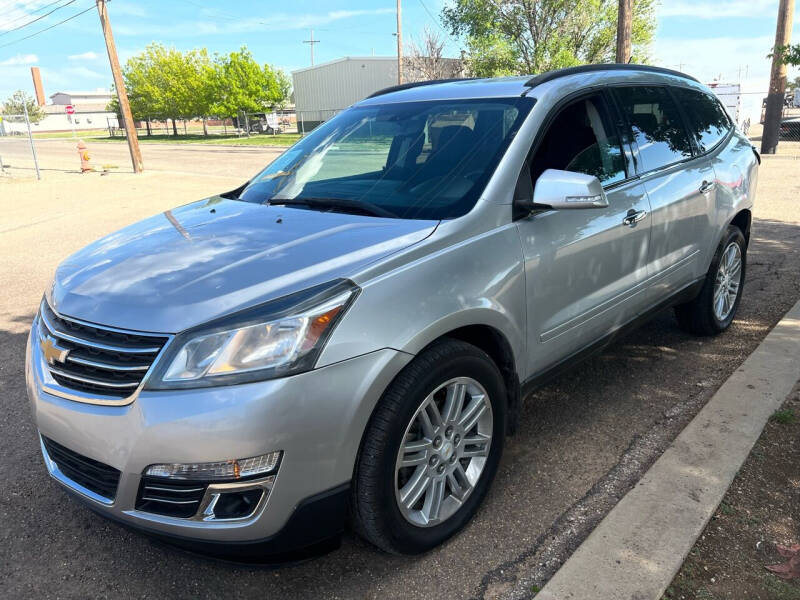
(641, 544)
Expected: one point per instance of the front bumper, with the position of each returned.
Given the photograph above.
(316, 418)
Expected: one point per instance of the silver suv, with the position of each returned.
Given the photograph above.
(350, 333)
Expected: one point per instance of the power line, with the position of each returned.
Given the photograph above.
(28, 14)
(430, 14)
(437, 22)
(35, 33)
(38, 18)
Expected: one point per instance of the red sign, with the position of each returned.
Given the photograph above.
(69, 109)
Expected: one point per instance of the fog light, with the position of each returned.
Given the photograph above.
(235, 505)
(220, 470)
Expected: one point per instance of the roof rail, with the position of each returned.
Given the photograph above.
(550, 75)
(414, 84)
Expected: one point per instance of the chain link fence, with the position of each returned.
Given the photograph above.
(244, 124)
(789, 132)
(18, 157)
(307, 120)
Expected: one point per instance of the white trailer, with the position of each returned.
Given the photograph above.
(730, 94)
(741, 100)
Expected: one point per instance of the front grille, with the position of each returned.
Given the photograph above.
(98, 360)
(169, 497)
(91, 474)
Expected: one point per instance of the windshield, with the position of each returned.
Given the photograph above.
(413, 160)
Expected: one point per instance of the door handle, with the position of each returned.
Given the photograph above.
(706, 186)
(633, 217)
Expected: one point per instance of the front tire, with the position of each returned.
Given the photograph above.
(431, 449)
(714, 308)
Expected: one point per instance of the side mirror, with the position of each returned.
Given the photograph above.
(562, 190)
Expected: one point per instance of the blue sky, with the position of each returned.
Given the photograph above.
(707, 38)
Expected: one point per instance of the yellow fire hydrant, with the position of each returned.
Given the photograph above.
(83, 152)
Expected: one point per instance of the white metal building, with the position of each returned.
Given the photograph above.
(90, 113)
(99, 96)
(324, 89)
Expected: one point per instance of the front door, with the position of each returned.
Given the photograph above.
(681, 189)
(586, 269)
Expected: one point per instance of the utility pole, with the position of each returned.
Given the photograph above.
(311, 42)
(624, 18)
(122, 95)
(777, 80)
(399, 43)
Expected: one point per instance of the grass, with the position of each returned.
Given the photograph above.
(779, 589)
(281, 139)
(784, 416)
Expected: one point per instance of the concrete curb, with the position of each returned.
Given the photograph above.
(636, 550)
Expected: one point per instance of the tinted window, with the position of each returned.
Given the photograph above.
(656, 125)
(707, 119)
(582, 138)
(417, 160)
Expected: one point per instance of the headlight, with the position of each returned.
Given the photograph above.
(273, 340)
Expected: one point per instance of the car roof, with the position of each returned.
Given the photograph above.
(505, 87)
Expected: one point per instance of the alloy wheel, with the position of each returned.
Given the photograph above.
(444, 450)
(727, 282)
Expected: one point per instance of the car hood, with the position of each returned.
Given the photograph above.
(210, 258)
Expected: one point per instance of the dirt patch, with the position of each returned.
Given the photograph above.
(760, 510)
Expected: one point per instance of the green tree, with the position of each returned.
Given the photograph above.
(506, 37)
(241, 84)
(142, 84)
(282, 87)
(790, 55)
(15, 105)
(199, 85)
(165, 83)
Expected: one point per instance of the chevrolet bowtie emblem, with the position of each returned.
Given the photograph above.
(52, 351)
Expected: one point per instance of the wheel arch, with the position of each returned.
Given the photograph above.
(494, 343)
(491, 332)
(743, 220)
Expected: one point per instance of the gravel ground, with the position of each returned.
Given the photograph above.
(583, 440)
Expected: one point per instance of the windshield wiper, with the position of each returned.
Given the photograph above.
(357, 205)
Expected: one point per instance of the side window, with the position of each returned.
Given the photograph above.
(656, 126)
(582, 138)
(707, 119)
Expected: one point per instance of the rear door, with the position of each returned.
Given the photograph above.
(585, 268)
(680, 187)
(731, 157)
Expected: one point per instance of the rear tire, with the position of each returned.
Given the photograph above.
(714, 308)
(420, 422)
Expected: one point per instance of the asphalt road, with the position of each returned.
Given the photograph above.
(583, 440)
